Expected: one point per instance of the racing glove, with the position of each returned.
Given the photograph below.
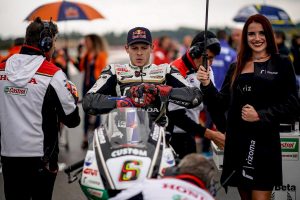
(73, 90)
(125, 102)
(142, 95)
(164, 92)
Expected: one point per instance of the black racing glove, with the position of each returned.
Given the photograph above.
(142, 95)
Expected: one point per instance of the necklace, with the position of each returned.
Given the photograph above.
(255, 58)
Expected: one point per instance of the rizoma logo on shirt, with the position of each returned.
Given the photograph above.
(268, 72)
(15, 90)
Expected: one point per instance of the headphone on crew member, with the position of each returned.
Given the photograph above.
(197, 49)
(46, 41)
(211, 187)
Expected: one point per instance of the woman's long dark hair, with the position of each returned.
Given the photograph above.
(245, 52)
(98, 42)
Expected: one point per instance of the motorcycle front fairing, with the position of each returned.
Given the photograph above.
(127, 148)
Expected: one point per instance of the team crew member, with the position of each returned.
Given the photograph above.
(187, 125)
(126, 79)
(35, 97)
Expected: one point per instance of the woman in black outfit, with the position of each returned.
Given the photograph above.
(258, 92)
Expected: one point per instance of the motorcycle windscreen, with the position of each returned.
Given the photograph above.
(127, 127)
(125, 148)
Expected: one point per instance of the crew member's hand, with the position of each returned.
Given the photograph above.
(73, 90)
(249, 113)
(217, 137)
(203, 75)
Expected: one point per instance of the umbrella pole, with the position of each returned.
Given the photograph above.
(66, 35)
(66, 47)
(204, 54)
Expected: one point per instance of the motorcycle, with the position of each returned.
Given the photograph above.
(127, 147)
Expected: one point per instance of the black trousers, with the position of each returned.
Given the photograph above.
(26, 179)
(183, 144)
(88, 125)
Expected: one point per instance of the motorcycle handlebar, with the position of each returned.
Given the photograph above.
(74, 166)
(188, 97)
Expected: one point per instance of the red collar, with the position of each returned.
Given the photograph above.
(31, 47)
(191, 59)
(192, 179)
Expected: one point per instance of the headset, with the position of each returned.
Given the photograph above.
(212, 187)
(198, 48)
(46, 40)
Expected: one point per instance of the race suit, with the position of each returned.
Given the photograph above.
(166, 188)
(116, 79)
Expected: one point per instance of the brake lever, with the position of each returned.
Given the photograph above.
(72, 179)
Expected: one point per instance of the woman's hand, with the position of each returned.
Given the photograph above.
(203, 75)
(249, 113)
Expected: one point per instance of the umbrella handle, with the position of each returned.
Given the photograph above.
(204, 59)
(204, 55)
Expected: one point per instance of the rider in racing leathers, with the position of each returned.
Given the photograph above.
(117, 79)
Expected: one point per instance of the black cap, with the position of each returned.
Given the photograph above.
(213, 44)
(139, 34)
(201, 36)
